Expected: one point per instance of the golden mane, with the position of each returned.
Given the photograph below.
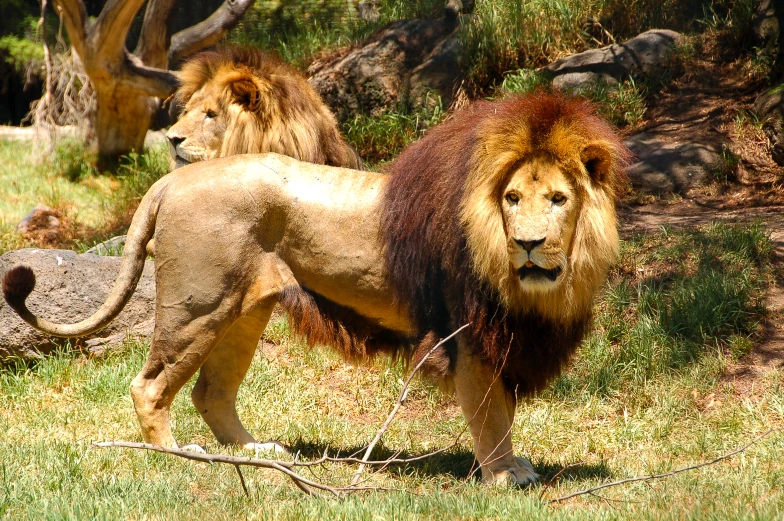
(445, 239)
(270, 107)
(569, 132)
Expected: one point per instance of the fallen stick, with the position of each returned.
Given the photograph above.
(398, 405)
(664, 475)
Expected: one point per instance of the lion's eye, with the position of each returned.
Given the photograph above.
(210, 113)
(558, 198)
(512, 197)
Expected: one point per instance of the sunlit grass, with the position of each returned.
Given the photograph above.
(630, 405)
(95, 205)
(380, 138)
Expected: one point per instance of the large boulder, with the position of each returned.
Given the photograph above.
(399, 63)
(769, 106)
(647, 54)
(665, 164)
(70, 287)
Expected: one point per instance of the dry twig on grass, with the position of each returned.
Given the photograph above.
(666, 474)
(287, 467)
(398, 404)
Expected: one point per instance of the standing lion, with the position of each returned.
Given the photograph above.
(242, 101)
(502, 218)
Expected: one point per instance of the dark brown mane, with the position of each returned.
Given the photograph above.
(426, 250)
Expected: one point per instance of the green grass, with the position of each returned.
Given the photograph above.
(380, 138)
(95, 205)
(506, 35)
(680, 303)
(644, 395)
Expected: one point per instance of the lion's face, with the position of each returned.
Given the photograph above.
(199, 133)
(539, 209)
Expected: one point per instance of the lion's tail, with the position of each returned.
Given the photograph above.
(19, 281)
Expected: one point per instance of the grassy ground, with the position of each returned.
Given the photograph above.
(94, 206)
(645, 395)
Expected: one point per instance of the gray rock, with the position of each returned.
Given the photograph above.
(71, 287)
(575, 80)
(647, 54)
(397, 64)
(769, 106)
(668, 166)
(113, 246)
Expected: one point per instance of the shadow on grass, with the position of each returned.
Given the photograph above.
(458, 463)
(553, 473)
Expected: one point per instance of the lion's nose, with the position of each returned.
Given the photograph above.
(529, 245)
(175, 140)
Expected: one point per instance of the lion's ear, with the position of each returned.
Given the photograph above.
(597, 160)
(247, 94)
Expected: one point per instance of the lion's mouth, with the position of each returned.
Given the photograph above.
(536, 272)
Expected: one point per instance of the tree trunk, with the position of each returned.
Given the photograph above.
(129, 87)
(121, 121)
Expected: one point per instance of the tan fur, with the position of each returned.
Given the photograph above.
(238, 101)
(239, 234)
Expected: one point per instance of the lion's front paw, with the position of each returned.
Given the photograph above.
(192, 447)
(520, 473)
(272, 447)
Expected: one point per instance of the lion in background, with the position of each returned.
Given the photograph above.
(239, 101)
(502, 218)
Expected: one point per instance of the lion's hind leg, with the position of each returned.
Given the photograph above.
(215, 392)
(181, 343)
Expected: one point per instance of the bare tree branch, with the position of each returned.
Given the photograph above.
(242, 480)
(287, 467)
(74, 16)
(210, 31)
(148, 80)
(110, 31)
(400, 400)
(279, 465)
(666, 474)
(155, 37)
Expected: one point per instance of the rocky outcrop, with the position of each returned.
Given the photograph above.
(647, 54)
(70, 287)
(769, 106)
(399, 63)
(664, 165)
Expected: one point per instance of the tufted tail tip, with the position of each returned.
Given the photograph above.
(18, 283)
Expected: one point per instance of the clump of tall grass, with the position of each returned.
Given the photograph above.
(505, 35)
(675, 297)
(71, 159)
(379, 138)
(623, 103)
(300, 31)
